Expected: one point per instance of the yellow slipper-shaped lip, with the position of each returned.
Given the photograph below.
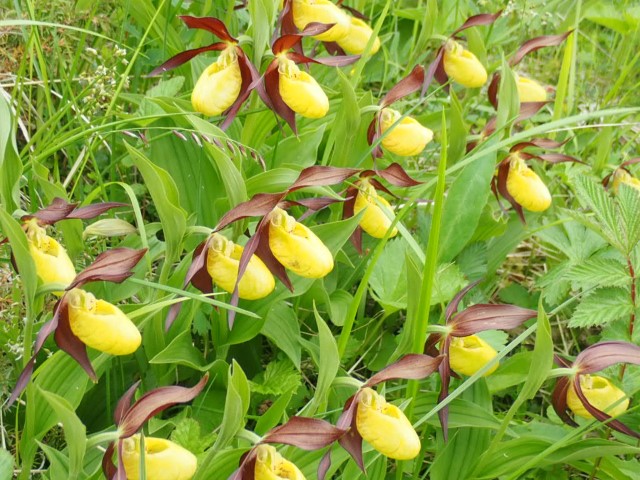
(385, 427)
(356, 40)
(101, 325)
(530, 91)
(163, 459)
(469, 354)
(219, 84)
(270, 465)
(374, 221)
(462, 66)
(601, 393)
(298, 248)
(223, 261)
(526, 187)
(407, 138)
(52, 262)
(300, 91)
(321, 11)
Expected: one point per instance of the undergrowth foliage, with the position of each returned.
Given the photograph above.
(337, 240)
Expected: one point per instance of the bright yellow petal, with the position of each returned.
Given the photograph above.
(163, 460)
(101, 325)
(622, 176)
(469, 354)
(374, 221)
(526, 187)
(321, 11)
(463, 67)
(219, 85)
(385, 427)
(222, 264)
(530, 91)
(357, 38)
(301, 92)
(270, 465)
(601, 393)
(298, 248)
(407, 138)
(53, 265)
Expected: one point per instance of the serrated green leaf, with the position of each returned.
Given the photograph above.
(598, 272)
(166, 88)
(6, 465)
(187, 435)
(278, 378)
(629, 202)
(603, 306)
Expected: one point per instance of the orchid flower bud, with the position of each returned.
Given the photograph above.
(601, 393)
(622, 176)
(219, 85)
(223, 261)
(529, 90)
(407, 138)
(297, 248)
(469, 354)
(357, 38)
(321, 11)
(526, 187)
(374, 221)
(463, 66)
(270, 465)
(300, 91)
(163, 459)
(385, 427)
(53, 265)
(101, 325)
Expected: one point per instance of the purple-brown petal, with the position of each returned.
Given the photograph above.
(68, 342)
(396, 175)
(481, 317)
(93, 210)
(114, 265)
(305, 433)
(452, 308)
(259, 205)
(535, 44)
(408, 85)
(124, 403)
(108, 467)
(156, 401)
(478, 20)
(559, 400)
(210, 24)
(605, 354)
(320, 176)
(58, 210)
(183, 57)
(413, 366)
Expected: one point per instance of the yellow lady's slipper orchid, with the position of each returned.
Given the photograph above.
(53, 265)
(622, 176)
(601, 393)
(526, 187)
(463, 66)
(223, 261)
(298, 248)
(407, 138)
(386, 427)
(357, 38)
(374, 221)
(270, 465)
(101, 325)
(163, 459)
(219, 85)
(469, 354)
(530, 91)
(321, 11)
(300, 91)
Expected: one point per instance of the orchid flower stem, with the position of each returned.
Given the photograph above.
(103, 437)
(444, 329)
(249, 436)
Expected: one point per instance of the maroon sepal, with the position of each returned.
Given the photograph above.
(250, 80)
(259, 205)
(324, 465)
(478, 20)
(373, 133)
(68, 342)
(246, 470)
(44, 333)
(348, 212)
(264, 253)
(535, 44)
(410, 367)
(124, 403)
(599, 414)
(108, 468)
(558, 360)
(183, 57)
(61, 210)
(154, 402)
(210, 24)
(290, 40)
(305, 433)
(482, 317)
(500, 186)
(558, 158)
(408, 85)
(275, 102)
(321, 176)
(397, 176)
(435, 70)
(559, 401)
(537, 142)
(452, 308)
(352, 440)
(605, 354)
(111, 266)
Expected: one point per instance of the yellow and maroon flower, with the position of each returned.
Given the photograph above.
(516, 182)
(225, 84)
(163, 459)
(270, 465)
(462, 66)
(593, 396)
